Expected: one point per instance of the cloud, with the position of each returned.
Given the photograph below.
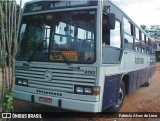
(143, 12)
(124, 3)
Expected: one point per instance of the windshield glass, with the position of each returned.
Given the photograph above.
(58, 37)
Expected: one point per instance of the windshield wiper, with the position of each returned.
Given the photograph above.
(39, 46)
(63, 56)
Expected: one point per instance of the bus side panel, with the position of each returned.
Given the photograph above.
(111, 85)
(131, 82)
(131, 77)
(145, 76)
(139, 77)
(135, 78)
(143, 79)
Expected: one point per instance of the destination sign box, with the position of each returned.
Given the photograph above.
(51, 5)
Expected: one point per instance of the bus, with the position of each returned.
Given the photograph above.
(80, 55)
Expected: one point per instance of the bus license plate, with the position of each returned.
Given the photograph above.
(46, 100)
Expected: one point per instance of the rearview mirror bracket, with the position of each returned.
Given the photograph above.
(111, 18)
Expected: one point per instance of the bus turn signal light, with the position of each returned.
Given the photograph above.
(96, 91)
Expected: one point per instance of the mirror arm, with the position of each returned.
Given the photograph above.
(106, 9)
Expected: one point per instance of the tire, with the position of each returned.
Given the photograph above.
(148, 83)
(121, 94)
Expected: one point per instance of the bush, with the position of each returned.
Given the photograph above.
(7, 105)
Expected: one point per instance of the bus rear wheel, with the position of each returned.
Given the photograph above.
(121, 94)
(147, 84)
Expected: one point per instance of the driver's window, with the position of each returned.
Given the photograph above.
(115, 36)
(112, 37)
(111, 41)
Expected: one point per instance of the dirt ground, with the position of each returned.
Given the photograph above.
(144, 99)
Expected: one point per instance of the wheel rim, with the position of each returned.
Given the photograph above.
(120, 97)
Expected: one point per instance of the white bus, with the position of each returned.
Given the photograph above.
(80, 55)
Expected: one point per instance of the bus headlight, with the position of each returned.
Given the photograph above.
(79, 90)
(86, 90)
(19, 81)
(25, 82)
(22, 82)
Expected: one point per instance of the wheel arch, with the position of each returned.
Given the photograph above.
(125, 78)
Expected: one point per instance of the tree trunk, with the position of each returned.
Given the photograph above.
(9, 25)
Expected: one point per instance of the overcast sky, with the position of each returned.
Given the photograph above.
(142, 12)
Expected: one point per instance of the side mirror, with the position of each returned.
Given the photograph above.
(111, 21)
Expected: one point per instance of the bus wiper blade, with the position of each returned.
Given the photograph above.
(65, 59)
(63, 56)
(39, 46)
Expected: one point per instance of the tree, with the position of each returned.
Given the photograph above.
(10, 14)
(153, 31)
(144, 27)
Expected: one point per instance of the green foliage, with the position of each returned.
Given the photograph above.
(144, 27)
(153, 30)
(7, 105)
(3, 64)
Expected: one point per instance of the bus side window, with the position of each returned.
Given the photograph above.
(115, 36)
(128, 34)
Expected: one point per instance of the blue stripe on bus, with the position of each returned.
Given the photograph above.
(112, 83)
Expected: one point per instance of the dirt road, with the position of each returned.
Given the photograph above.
(144, 99)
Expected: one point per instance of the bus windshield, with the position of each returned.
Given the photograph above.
(58, 37)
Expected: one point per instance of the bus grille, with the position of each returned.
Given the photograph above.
(64, 78)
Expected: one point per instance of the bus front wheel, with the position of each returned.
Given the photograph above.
(121, 94)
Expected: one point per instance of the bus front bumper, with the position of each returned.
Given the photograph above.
(70, 104)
